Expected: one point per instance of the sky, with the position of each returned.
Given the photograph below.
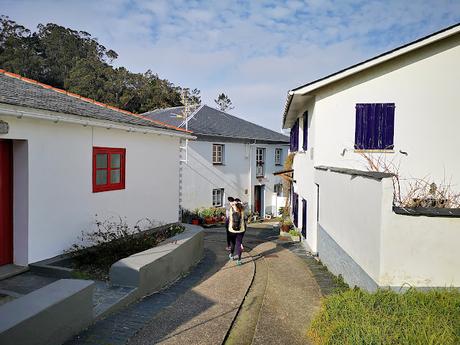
(253, 51)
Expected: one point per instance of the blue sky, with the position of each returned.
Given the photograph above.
(253, 51)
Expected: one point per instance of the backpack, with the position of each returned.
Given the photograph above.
(236, 220)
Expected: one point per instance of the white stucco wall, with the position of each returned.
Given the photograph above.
(350, 212)
(394, 250)
(423, 85)
(236, 176)
(304, 184)
(60, 202)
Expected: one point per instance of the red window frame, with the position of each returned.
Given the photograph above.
(109, 151)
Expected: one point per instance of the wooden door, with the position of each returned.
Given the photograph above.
(6, 202)
(257, 200)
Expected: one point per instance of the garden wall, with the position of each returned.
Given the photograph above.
(361, 238)
(154, 268)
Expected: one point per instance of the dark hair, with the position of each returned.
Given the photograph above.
(237, 200)
(239, 207)
(230, 199)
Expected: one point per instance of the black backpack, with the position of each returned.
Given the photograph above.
(236, 220)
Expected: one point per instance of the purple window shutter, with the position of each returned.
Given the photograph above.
(305, 131)
(388, 126)
(304, 218)
(295, 209)
(374, 126)
(359, 130)
(294, 137)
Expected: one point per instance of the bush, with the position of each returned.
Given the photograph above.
(386, 317)
(114, 240)
(294, 232)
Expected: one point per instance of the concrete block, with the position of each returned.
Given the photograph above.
(154, 268)
(48, 316)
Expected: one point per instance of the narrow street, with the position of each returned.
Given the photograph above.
(270, 299)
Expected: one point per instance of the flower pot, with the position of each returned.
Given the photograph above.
(196, 221)
(285, 227)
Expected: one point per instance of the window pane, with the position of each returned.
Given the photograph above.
(101, 160)
(101, 177)
(115, 160)
(115, 176)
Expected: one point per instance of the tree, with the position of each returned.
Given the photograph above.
(223, 102)
(77, 62)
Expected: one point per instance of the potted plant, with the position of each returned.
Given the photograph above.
(295, 234)
(208, 215)
(286, 224)
(195, 215)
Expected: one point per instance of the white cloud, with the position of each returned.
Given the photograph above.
(254, 51)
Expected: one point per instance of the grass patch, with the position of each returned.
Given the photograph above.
(385, 317)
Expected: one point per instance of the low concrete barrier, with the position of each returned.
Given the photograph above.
(49, 315)
(154, 268)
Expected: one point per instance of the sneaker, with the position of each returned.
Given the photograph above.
(230, 256)
(238, 263)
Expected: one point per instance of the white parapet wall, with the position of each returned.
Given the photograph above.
(152, 269)
(364, 240)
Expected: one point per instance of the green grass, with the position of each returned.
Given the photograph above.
(385, 317)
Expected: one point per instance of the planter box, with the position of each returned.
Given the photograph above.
(154, 268)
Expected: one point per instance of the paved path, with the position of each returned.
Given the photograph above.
(270, 299)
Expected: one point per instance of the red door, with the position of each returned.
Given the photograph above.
(6, 202)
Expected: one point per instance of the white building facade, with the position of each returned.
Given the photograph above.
(69, 171)
(230, 157)
(398, 109)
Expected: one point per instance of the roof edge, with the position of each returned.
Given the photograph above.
(88, 100)
(385, 54)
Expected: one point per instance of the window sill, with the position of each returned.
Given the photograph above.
(218, 164)
(374, 151)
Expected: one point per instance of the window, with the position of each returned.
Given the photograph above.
(260, 162)
(305, 131)
(278, 156)
(108, 169)
(294, 137)
(374, 126)
(217, 197)
(278, 189)
(217, 154)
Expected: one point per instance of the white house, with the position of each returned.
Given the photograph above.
(231, 157)
(65, 159)
(401, 108)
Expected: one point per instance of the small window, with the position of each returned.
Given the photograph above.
(217, 197)
(108, 169)
(278, 156)
(217, 154)
(260, 162)
(278, 189)
(374, 126)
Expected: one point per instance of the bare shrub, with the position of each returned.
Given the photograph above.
(418, 192)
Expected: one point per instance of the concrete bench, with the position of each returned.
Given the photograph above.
(154, 268)
(49, 315)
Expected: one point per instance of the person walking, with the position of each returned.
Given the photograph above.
(237, 228)
(228, 209)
